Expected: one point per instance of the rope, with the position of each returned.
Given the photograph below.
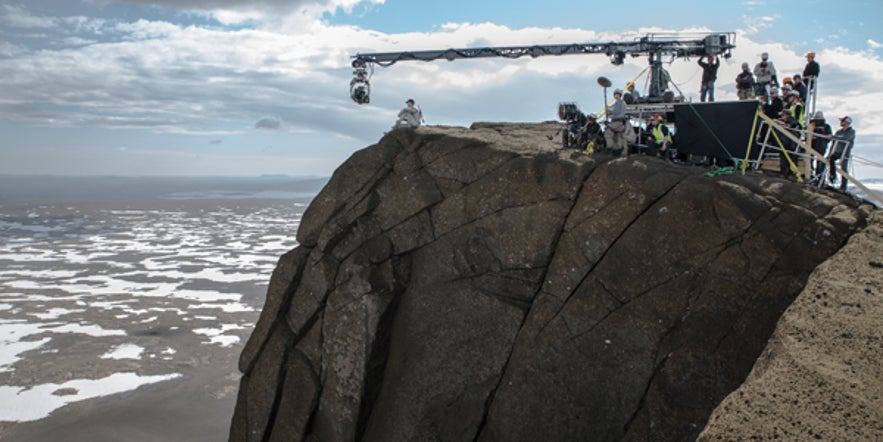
(866, 161)
(720, 171)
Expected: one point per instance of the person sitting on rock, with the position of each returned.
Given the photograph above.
(409, 117)
(573, 135)
(592, 134)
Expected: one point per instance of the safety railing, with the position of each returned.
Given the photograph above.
(802, 141)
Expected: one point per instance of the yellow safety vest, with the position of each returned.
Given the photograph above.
(797, 115)
(658, 135)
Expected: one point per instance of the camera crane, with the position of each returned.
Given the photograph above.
(655, 46)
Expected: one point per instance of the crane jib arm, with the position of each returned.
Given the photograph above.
(653, 45)
(713, 44)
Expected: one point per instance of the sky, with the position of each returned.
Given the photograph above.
(245, 88)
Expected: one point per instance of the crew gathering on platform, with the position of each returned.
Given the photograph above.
(798, 91)
(785, 104)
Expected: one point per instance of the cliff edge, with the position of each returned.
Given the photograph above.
(481, 284)
(821, 374)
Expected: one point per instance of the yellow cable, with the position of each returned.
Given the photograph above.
(610, 102)
(791, 164)
(744, 164)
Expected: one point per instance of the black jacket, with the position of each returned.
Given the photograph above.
(811, 70)
(774, 109)
(709, 70)
(819, 142)
(745, 80)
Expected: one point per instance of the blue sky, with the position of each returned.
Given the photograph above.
(231, 87)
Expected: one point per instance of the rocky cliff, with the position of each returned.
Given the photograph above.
(821, 374)
(480, 284)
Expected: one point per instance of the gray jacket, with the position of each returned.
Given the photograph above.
(843, 140)
(765, 74)
(409, 117)
(617, 111)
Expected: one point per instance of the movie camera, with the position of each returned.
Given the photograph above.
(360, 86)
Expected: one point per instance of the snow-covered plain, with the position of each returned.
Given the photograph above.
(100, 300)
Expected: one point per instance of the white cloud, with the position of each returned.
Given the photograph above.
(874, 45)
(168, 78)
(757, 24)
(144, 29)
(16, 17)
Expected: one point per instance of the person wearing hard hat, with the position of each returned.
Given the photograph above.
(631, 95)
(745, 83)
(659, 141)
(811, 71)
(800, 87)
(821, 133)
(795, 108)
(792, 118)
(592, 134)
(841, 146)
(774, 107)
(811, 75)
(764, 75)
(615, 134)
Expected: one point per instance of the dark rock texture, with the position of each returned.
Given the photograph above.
(821, 374)
(455, 284)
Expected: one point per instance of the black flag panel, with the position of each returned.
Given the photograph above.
(703, 127)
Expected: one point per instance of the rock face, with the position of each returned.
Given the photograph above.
(821, 375)
(478, 284)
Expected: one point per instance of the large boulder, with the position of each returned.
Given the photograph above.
(463, 284)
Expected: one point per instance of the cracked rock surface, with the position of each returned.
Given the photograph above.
(821, 374)
(479, 284)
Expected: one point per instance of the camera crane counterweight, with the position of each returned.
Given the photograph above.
(655, 46)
